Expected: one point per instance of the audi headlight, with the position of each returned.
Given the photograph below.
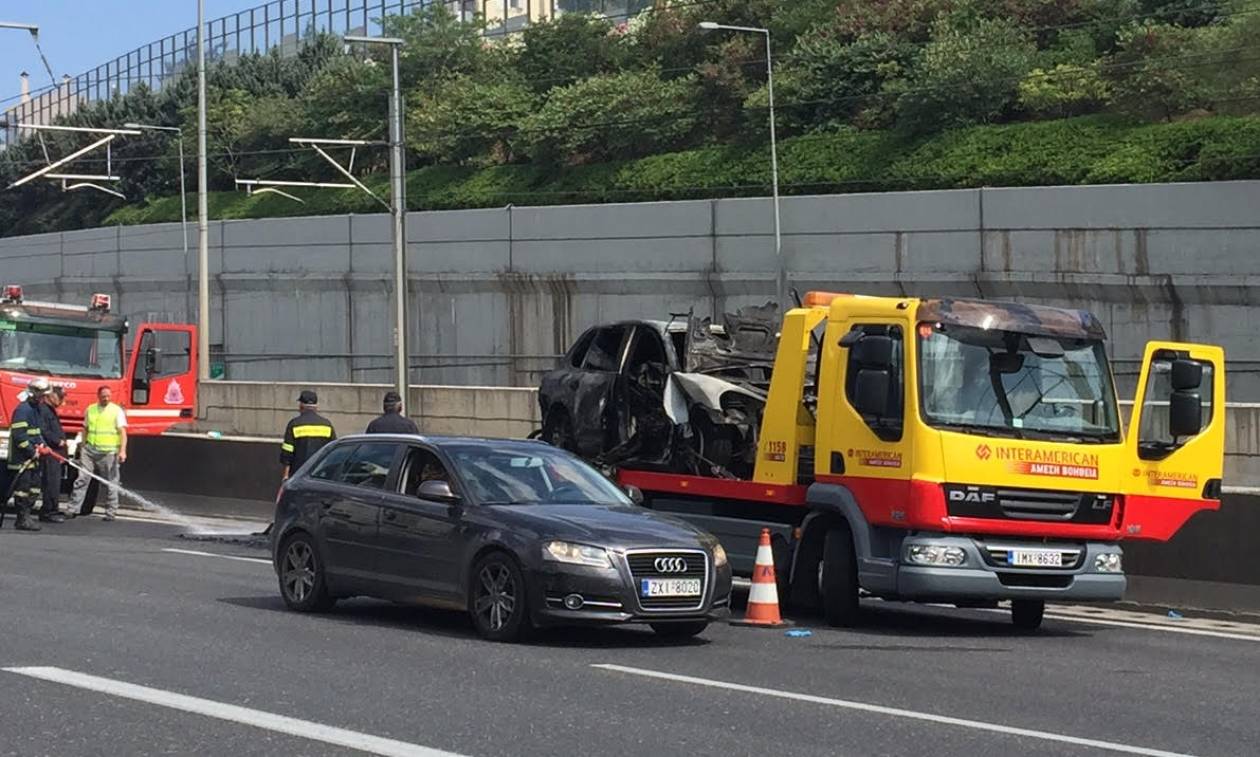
(1108, 563)
(576, 554)
(719, 556)
(935, 554)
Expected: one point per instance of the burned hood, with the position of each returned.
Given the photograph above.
(748, 336)
(1040, 320)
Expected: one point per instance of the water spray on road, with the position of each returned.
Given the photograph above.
(144, 502)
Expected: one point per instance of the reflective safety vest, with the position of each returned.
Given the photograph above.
(101, 427)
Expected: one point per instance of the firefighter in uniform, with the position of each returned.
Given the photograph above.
(305, 434)
(26, 447)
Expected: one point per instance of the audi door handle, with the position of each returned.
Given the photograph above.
(390, 515)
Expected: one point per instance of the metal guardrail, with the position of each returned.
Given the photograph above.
(282, 24)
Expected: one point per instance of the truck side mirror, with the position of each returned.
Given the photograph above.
(871, 391)
(1187, 375)
(874, 351)
(152, 361)
(1185, 412)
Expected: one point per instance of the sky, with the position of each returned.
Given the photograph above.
(77, 35)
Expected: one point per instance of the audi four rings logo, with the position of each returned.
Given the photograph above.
(670, 565)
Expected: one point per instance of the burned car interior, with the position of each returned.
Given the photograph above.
(683, 395)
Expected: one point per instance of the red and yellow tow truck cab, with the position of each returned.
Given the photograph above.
(81, 348)
(961, 451)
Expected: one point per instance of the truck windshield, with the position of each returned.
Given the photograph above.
(60, 350)
(1013, 384)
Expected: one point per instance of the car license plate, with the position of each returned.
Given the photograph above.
(669, 587)
(1035, 558)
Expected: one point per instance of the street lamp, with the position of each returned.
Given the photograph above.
(781, 284)
(34, 30)
(183, 195)
(203, 207)
(398, 210)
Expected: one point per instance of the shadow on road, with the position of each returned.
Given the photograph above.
(455, 624)
(916, 621)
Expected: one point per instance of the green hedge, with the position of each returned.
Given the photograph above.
(1090, 150)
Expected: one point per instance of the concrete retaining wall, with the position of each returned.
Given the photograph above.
(498, 293)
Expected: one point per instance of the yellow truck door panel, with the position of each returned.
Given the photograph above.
(1175, 445)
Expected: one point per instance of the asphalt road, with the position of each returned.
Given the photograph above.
(115, 644)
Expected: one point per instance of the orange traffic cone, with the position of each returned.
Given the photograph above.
(763, 598)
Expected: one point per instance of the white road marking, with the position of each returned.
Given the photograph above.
(222, 711)
(197, 553)
(1153, 627)
(978, 725)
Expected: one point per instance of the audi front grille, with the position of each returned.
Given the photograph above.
(644, 564)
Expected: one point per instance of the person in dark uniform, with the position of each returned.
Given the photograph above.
(306, 434)
(55, 439)
(392, 421)
(26, 447)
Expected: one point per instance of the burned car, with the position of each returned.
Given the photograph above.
(683, 395)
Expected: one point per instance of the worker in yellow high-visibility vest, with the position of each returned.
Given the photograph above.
(104, 449)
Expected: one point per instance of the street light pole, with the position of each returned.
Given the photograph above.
(398, 211)
(781, 269)
(183, 194)
(203, 223)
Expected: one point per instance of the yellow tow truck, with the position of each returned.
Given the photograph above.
(957, 451)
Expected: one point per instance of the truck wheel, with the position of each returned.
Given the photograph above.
(557, 430)
(1026, 614)
(839, 584)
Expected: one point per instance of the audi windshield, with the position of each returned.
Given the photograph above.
(60, 350)
(515, 474)
(1005, 383)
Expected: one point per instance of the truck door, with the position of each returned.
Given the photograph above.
(161, 378)
(862, 419)
(1175, 446)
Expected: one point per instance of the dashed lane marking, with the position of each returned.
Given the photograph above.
(976, 725)
(304, 729)
(197, 553)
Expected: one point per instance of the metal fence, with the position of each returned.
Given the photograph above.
(282, 24)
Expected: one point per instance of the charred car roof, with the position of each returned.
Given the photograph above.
(1039, 320)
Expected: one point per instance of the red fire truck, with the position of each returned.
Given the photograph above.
(83, 347)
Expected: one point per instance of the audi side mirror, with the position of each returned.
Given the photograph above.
(635, 493)
(437, 491)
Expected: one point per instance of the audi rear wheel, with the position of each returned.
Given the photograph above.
(302, 582)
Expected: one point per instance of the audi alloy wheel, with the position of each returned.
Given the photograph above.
(302, 584)
(498, 599)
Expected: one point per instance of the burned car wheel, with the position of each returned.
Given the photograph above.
(557, 430)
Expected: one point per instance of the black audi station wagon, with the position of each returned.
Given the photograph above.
(518, 533)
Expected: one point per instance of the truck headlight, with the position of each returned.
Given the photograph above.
(1109, 562)
(576, 554)
(935, 554)
(719, 556)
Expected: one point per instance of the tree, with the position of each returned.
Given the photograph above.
(1065, 90)
(1154, 71)
(968, 73)
(566, 49)
(438, 45)
(466, 119)
(831, 82)
(612, 117)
